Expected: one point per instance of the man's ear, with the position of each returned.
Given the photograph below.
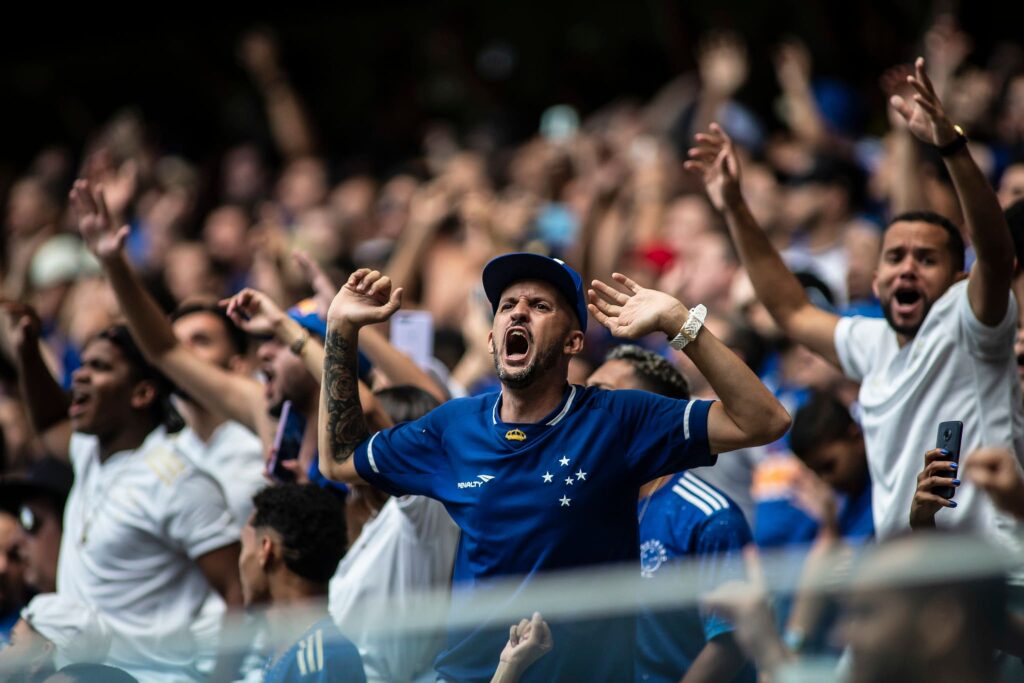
(237, 364)
(574, 343)
(268, 552)
(874, 285)
(490, 341)
(143, 394)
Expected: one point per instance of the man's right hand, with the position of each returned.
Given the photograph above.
(714, 158)
(926, 502)
(254, 312)
(94, 222)
(365, 299)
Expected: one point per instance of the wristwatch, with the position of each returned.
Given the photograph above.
(951, 148)
(694, 323)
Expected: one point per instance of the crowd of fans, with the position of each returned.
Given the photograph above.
(184, 425)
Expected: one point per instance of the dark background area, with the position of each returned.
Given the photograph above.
(373, 75)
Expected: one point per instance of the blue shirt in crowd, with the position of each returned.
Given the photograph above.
(555, 494)
(321, 655)
(686, 520)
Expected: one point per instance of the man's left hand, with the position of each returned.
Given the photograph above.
(635, 313)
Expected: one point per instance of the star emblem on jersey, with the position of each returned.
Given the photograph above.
(568, 481)
(565, 501)
(547, 477)
(515, 435)
(564, 462)
(581, 475)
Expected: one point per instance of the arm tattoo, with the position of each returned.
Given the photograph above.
(345, 424)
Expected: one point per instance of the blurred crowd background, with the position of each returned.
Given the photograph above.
(425, 139)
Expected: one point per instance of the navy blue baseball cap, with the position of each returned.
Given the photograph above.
(508, 269)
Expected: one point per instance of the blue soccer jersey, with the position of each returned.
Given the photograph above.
(686, 520)
(321, 655)
(554, 494)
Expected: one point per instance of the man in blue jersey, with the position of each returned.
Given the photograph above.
(682, 519)
(291, 546)
(543, 475)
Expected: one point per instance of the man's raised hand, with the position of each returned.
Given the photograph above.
(94, 221)
(365, 299)
(714, 159)
(995, 470)
(923, 112)
(637, 312)
(254, 312)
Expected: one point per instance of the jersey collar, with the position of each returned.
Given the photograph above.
(553, 418)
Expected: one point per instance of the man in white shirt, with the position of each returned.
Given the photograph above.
(147, 536)
(226, 450)
(945, 350)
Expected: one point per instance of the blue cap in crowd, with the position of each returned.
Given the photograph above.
(509, 269)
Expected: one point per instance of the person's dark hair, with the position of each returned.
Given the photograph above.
(96, 673)
(162, 410)
(311, 522)
(955, 242)
(406, 403)
(238, 338)
(655, 373)
(821, 420)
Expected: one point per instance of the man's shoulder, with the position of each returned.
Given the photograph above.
(457, 410)
(706, 503)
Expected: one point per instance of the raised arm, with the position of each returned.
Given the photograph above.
(396, 366)
(989, 285)
(235, 396)
(365, 299)
(46, 402)
(715, 159)
(747, 413)
(256, 313)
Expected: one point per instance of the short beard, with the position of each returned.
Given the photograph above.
(908, 331)
(521, 379)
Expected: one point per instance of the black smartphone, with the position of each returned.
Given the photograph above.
(950, 434)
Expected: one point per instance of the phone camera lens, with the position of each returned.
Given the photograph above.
(947, 434)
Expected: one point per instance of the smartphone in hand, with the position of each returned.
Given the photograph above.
(950, 434)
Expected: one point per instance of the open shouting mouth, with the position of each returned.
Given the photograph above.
(518, 342)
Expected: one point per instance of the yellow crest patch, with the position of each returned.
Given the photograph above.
(515, 435)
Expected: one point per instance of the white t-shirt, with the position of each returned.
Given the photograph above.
(234, 458)
(408, 548)
(955, 368)
(133, 528)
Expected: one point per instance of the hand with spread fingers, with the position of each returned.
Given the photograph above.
(253, 311)
(636, 312)
(94, 221)
(997, 472)
(366, 298)
(923, 112)
(926, 501)
(714, 159)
